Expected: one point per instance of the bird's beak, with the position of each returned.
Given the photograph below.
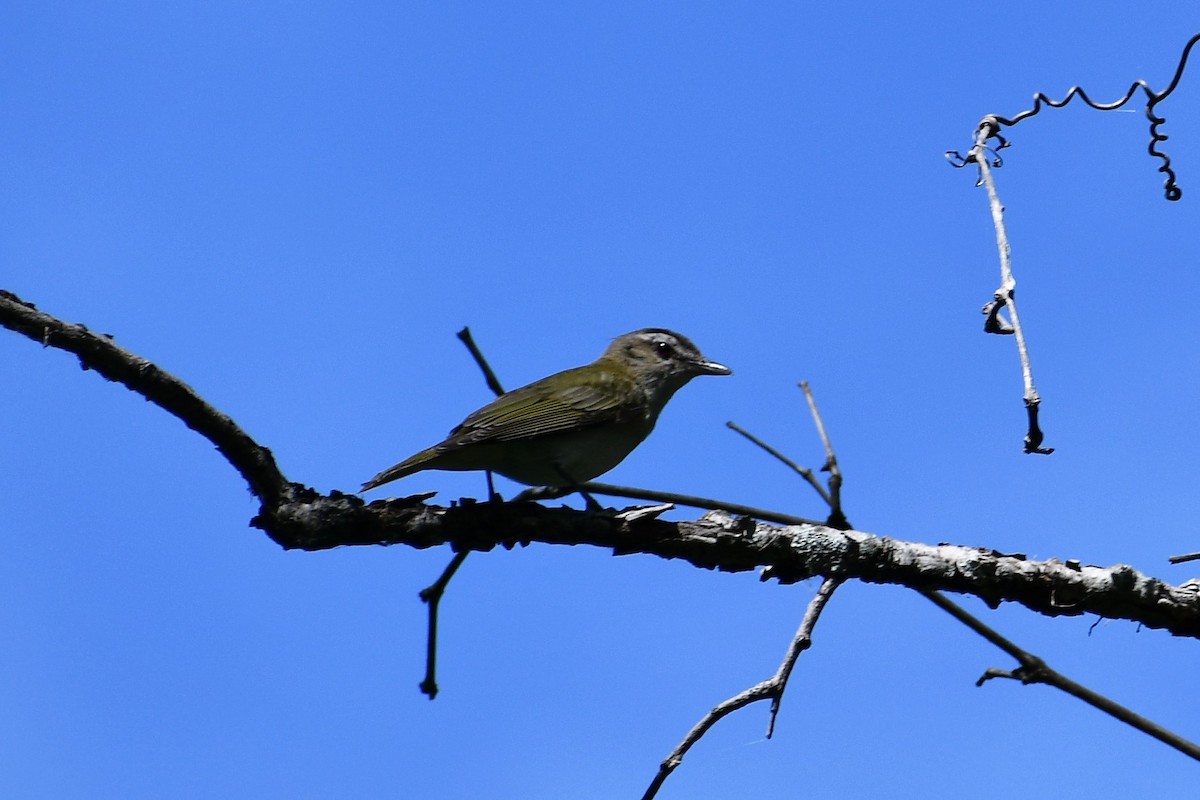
(710, 368)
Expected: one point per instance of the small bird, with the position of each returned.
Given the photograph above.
(574, 425)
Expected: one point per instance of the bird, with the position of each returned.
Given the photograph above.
(572, 426)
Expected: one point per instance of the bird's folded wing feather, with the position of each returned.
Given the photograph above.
(560, 403)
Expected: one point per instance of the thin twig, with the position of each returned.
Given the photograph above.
(1005, 296)
(1180, 559)
(1034, 670)
(493, 382)
(837, 519)
(432, 596)
(655, 496)
(772, 689)
(803, 472)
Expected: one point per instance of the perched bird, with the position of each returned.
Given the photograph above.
(574, 425)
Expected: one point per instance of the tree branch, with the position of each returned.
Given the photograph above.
(298, 517)
(772, 688)
(98, 352)
(1034, 670)
(432, 597)
(1005, 295)
(803, 472)
(719, 540)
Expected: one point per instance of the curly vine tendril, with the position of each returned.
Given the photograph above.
(989, 126)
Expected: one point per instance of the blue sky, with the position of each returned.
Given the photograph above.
(293, 207)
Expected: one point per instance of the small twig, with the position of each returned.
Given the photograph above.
(432, 596)
(493, 382)
(1005, 296)
(1180, 559)
(837, 519)
(803, 472)
(654, 496)
(1034, 670)
(772, 689)
(833, 495)
(984, 157)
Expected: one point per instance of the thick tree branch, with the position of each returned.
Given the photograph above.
(719, 540)
(298, 517)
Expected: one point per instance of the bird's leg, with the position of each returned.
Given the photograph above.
(592, 505)
(492, 496)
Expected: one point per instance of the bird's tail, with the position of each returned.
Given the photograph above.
(406, 467)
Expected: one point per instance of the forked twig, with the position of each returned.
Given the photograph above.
(803, 472)
(833, 495)
(837, 518)
(1005, 297)
(1034, 670)
(432, 595)
(772, 689)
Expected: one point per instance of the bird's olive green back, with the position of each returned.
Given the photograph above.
(597, 394)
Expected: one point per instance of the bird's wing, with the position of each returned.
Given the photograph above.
(562, 402)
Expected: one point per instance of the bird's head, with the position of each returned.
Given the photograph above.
(662, 360)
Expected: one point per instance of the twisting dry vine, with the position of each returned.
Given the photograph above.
(989, 127)
(985, 156)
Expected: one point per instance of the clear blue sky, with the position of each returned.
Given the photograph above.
(293, 207)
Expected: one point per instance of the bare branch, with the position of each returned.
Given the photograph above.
(655, 496)
(837, 518)
(803, 472)
(771, 689)
(720, 540)
(493, 382)
(800, 642)
(432, 596)
(985, 158)
(1005, 297)
(98, 352)
(299, 517)
(1034, 670)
